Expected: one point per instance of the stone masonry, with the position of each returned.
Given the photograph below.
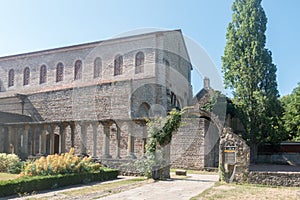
(100, 106)
(99, 115)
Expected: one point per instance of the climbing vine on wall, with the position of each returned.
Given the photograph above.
(160, 132)
(160, 129)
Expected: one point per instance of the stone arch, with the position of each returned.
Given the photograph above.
(231, 171)
(118, 65)
(56, 143)
(139, 62)
(212, 132)
(156, 98)
(78, 69)
(213, 118)
(26, 76)
(143, 110)
(11, 77)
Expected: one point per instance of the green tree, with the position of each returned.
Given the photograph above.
(291, 117)
(251, 75)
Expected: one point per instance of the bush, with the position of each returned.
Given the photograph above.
(28, 184)
(66, 163)
(10, 163)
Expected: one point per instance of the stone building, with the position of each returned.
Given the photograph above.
(95, 97)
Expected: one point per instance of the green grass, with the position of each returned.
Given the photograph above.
(95, 191)
(7, 176)
(248, 191)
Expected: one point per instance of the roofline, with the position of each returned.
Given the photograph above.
(82, 45)
(185, 48)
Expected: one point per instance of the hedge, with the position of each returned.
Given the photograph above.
(36, 183)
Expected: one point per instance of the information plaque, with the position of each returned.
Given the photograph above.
(230, 155)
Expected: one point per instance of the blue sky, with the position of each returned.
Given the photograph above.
(35, 25)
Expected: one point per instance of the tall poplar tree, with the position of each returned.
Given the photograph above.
(251, 75)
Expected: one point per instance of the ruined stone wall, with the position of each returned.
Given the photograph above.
(211, 145)
(288, 179)
(187, 146)
(234, 157)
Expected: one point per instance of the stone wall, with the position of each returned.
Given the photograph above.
(234, 157)
(90, 100)
(290, 179)
(106, 50)
(195, 145)
(105, 101)
(211, 144)
(187, 146)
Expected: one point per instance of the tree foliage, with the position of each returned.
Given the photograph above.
(249, 72)
(291, 117)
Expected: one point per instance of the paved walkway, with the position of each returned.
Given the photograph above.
(175, 188)
(170, 189)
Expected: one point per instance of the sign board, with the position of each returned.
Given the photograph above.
(230, 155)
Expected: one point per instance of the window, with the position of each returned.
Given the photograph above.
(166, 62)
(97, 67)
(118, 65)
(78, 70)
(59, 72)
(139, 62)
(11, 77)
(43, 74)
(26, 76)
(168, 70)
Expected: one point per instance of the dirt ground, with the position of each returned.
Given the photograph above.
(243, 192)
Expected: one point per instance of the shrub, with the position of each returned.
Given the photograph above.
(10, 163)
(66, 163)
(35, 183)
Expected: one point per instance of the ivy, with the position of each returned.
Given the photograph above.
(160, 132)
(160, 129)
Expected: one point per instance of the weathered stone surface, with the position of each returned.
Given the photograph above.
(290, 179)
(109, 97)
(232, 143)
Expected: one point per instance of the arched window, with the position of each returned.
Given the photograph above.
(139, 62)
(118, 65)
(166, 62)
(97, 67)
(143, 110)
(43, 74)
(167, 66)
(26, 76)
(59, 72)
(78, 70)
(11, 77)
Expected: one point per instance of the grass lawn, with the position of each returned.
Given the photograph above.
(7, 176)
(94, 191)
(248, 191)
